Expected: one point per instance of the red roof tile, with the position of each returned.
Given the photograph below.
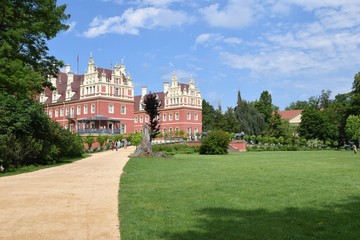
(289, 114)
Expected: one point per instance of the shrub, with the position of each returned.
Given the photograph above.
(215, 143)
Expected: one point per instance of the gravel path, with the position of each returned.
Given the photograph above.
(73, 201)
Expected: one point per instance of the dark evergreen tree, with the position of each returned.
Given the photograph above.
(151, 105)
(208, 116)
(264, 106)
(249, 119)
(231, 123)
(219, 123)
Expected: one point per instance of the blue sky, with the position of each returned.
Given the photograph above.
(291, 48)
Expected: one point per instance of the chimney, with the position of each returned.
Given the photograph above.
(166, 87)
(67, 68)
(143, 90)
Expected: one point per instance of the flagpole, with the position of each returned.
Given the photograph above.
(77, 64)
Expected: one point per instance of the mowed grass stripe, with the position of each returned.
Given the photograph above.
(255, 195)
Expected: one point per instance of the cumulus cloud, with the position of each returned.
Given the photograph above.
(236, 14)
(132, 20)
(325, 45)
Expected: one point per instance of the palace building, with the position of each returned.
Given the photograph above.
(102, 101)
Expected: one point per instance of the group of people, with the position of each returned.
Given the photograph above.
(117, 144)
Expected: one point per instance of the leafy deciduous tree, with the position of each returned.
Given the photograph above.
(353, 127)
(25, 28)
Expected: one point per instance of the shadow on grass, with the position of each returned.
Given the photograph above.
(341, 221)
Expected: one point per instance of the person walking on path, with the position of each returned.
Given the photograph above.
(354, 148)
(117, 144)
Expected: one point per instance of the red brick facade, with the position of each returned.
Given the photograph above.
(103, 101)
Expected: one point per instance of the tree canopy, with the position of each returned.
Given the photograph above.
(27, 136)
(353, 127)
(25, 28)
(151, 105)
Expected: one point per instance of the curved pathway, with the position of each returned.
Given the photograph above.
(72, 201)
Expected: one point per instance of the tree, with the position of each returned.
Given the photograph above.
(264, 106)
(298, 105)
(231, 124)
(26, 134)
(219, 119)
(215, 143)
(355, 96)
(353, 127)
(208, 116)
(249, 119)
(318, 124)
(25, 28)
(151, 105)
(278, 127)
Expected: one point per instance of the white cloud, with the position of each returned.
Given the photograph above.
(131, 21)
(232, 40)
(236, 14)
(71, 26)
(211, 39)
(115, 1)
(157, 3)
(322, 47)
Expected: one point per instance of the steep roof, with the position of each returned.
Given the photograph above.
(289, 114)
(137, 99)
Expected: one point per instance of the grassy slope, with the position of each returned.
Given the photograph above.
(257, 195)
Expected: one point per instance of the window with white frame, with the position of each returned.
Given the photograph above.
(61, 112)
(50, 113)
(164, 117)
(111, 108)
(141, 119)
(176, 116)
(56, 112)
(196, 116)
(123, 128)
(78, 110)
(135, 119)
(92, 108)
(67, 111)
(123, 109)
(188, 116)
(146, 118)
(85, 109)
(116, 91)
(170, 117)
(189, 131)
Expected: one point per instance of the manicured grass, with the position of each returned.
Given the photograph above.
(32, 168)
(254, 195)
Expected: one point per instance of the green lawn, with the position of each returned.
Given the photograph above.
(254, 195)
